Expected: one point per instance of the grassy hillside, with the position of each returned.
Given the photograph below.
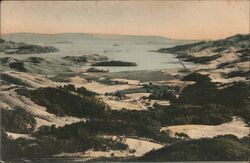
(223, 148)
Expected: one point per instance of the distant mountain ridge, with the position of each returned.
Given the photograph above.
(10, 47)
(236, 41)
(37, 37)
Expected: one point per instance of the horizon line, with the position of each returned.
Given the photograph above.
(116, 34)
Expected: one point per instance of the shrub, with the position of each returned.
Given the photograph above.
(66, 101)
(224, 148)
(18, 121)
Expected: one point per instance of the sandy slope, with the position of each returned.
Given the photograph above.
(131, 82)
(16, 136)
(141, 147)
(119, 104)
(132, 101)
(27, 79)
(137, 96)
(237, 127)
(77, 81)
(9, 99)
(102, 88)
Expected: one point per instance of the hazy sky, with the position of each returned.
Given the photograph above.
(176, 19)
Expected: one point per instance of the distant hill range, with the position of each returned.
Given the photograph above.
(228, 58)
(74, 37)
(10, 47)
(239, 41)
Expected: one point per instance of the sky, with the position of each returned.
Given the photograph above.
(175, 19)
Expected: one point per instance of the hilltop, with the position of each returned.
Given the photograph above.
(10, 47)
